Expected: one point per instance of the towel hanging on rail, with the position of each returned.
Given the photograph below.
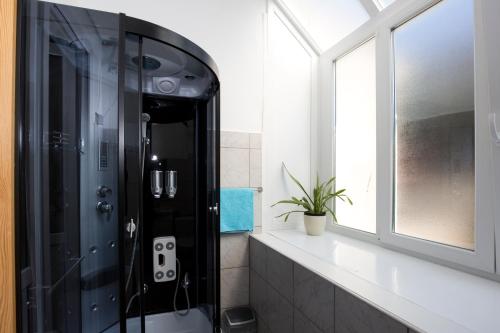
(236, 206)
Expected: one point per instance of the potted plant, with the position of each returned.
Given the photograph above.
(315, 206)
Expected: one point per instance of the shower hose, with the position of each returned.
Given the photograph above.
(185, 285)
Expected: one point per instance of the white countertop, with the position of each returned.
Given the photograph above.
(422, 295)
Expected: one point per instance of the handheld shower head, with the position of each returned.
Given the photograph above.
(145, 118)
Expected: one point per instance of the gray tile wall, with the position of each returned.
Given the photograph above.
(354, 315)
(241, 166)
(289, 298)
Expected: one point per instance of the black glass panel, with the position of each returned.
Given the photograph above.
(180, 101)
(89, 210)
(69, 251)
(134, 159)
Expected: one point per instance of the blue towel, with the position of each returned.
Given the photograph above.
(236, 209)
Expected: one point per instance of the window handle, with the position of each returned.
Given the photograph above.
(495, 134)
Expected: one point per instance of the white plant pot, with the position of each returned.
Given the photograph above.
(315, 225)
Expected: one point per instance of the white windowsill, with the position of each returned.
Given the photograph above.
(420, 294)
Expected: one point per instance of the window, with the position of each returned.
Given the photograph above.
(355, 140)
(328, 21)
(411, 137)
(434, 125)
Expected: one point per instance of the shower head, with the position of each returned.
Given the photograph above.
(145, 118)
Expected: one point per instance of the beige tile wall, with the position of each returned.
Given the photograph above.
(241, 166)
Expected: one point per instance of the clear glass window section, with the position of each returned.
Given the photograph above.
(328, 21)
(434, 125)
(355, 141)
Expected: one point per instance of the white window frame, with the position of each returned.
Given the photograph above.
(490, 12)
(380, 27)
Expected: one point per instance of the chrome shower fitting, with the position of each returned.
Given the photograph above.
(102, 191)
(156, 183)
(104, 207)
(171, 180)
(145, 118)
(186, 282)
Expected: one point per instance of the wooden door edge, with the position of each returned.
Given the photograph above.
(8, 19)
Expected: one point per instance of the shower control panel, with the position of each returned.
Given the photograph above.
(164, 259)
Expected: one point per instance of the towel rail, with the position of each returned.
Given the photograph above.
(258, 188)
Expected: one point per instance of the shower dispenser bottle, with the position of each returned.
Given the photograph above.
(171, 182)
(156, 176)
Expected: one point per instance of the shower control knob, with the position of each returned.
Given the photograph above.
(104, 207)
(102, 191)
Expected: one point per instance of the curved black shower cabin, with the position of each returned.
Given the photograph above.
(117, 168)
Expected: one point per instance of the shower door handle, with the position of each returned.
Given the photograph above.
(214, 209)
(131, 226)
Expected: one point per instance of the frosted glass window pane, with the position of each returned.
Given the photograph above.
(434, 87)
(328, 21)
(355, 141)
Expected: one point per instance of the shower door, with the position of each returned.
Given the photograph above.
(68, 230)
(187, 108)
(131, 178)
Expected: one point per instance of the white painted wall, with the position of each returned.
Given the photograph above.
(232, 32)
(289, 104)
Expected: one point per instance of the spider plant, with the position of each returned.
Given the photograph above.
(315, 204)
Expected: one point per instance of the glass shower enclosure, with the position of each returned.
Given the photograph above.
(117, 168)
